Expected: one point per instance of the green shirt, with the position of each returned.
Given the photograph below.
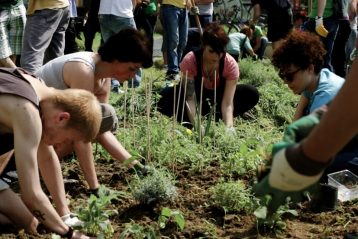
(151, 9)
(328, 10)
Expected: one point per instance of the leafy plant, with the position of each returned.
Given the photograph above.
(232, 196)
(267, 222)
(96, 215)
(169, 215)
(136, 231)
(157, 186)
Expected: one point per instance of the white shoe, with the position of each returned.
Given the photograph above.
(72, 220)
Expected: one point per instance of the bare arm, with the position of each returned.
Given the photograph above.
(321, 4)
(302, 104)
(190, 100)
(27, 129)
(78, 75)
(113, 146)
(86, 160)
(227, 104)
(338, 125)
(51, 173)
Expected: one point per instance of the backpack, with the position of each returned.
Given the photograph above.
(337, 6)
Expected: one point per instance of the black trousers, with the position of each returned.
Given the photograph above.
(246, 97)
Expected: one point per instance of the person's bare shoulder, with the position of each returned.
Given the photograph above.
(16, 110)
(79, 75)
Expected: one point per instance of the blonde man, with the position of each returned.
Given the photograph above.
(34, 117)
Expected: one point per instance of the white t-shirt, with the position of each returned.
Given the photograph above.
(121, 8)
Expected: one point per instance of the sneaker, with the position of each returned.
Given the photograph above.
(72, 220)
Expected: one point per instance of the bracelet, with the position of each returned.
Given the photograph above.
(68, 234)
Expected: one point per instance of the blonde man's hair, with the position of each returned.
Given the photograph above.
(84, 109)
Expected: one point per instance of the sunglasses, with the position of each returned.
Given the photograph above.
(289, 75)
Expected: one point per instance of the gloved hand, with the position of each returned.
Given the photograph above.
(194, 10)
(320, 29)
(292, 172)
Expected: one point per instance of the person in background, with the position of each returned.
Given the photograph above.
(115, 16)
(339, 57)
(46, 117)
(119, 57)
(240, 43)
(12, 23)
(279, 18)
(92, 24)
(350, 46)
(322, 21)
(258, 41)
(145, 16)
(206, 9)
(219, 74)
(71, 31)
(44, 37)
(174, 17)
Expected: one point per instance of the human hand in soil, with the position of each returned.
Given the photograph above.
(292, 172)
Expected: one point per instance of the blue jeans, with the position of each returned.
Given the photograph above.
(331, 25)
(175, 25)
(112, 24)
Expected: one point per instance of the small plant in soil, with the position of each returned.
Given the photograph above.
(96, 215)
(272, 223)
(136, 231)
(157, 186)
(168, 215)
(232, 196)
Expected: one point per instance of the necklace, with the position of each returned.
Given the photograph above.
(210, 72)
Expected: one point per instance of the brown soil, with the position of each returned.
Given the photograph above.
(201, 221)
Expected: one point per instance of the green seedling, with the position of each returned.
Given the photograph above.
(136, 231)
(96, 215)
(272, 222)
(169, 215)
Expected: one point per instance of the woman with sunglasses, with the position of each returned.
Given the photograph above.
(299, 60)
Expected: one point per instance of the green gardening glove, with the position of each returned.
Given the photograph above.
(292, 172)
(297, 131)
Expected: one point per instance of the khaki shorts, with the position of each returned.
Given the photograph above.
(109, 119)
(3, 185)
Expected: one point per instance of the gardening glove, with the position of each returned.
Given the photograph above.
(320, 29)
(194, 10)
(292, 173)
(72, 220)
